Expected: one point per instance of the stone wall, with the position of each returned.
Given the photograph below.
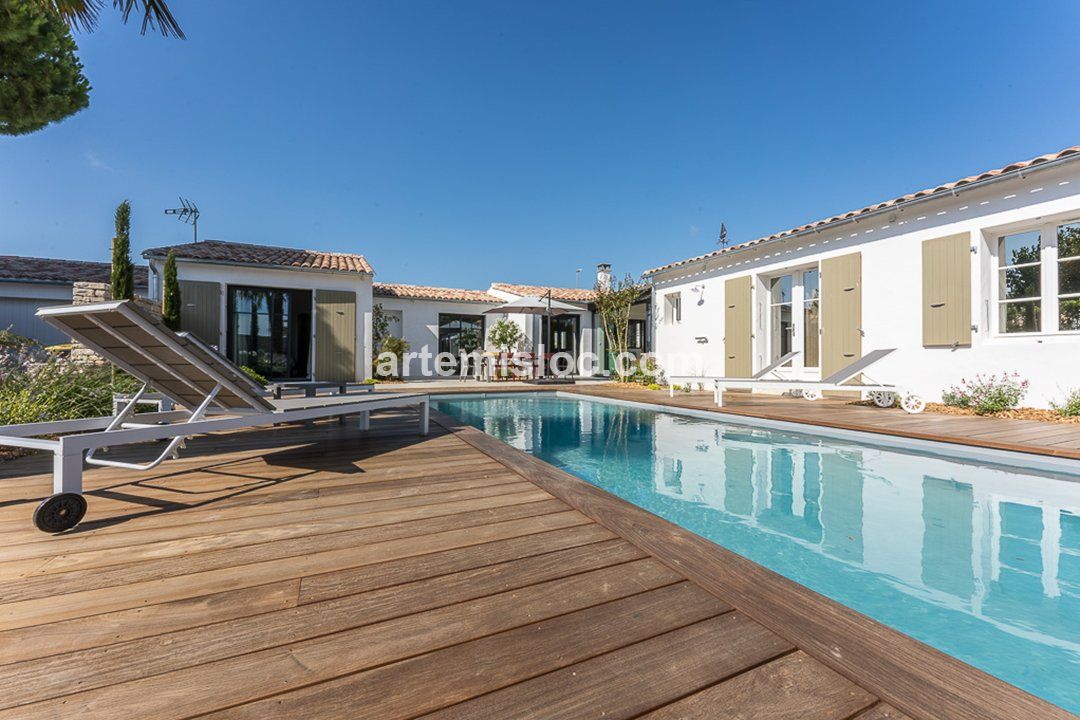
(84, 293)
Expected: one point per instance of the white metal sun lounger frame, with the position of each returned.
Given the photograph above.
(764, 372)
(883, 394)
(80, 439)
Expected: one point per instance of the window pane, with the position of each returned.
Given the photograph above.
(810, 334)
(810, 283)
(1019, 248)
(780, 289)
(1069, 240)
(1069, 314)
(1020, 317)
(1069, 277)
(782, 330)
(1019, 282)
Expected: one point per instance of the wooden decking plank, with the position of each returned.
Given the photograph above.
(634, 679)
(67, 636)
(795, 687)
(881, 711)
(108, 599)
(322, 586)
(215, 685)
(251, 531)
(286, 505)
(276, 542)
(427, 682)
(64, 674)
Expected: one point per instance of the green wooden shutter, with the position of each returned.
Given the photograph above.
(200, 310)
(335, 335)
(946, 291)
(737, 327)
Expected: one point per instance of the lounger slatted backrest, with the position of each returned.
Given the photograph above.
(784, 360)
(849, 371)
(137, 342)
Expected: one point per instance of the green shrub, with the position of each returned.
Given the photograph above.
(60, 390)
(254, 375)
(989, 394)
(653, 386)
(1071, 406)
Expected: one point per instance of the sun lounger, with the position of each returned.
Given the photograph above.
(216, 395)
(883, 394)
(764, 372)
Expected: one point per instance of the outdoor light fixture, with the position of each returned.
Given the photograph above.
(188, 212)
(701, 340)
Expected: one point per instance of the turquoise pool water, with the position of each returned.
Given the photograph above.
(980, 561)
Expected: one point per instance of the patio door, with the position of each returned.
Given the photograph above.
(269, 330)
(841, 312)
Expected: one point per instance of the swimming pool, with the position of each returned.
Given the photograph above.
(980, 561)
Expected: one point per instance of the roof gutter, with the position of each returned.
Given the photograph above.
(1021, 173)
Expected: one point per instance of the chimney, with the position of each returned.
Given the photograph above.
(603, 275)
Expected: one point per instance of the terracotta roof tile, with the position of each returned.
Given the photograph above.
(251, 254)
(940, 189)
(566, 294)
(32, 269)
(424, 292)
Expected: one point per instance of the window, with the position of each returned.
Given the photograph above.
(1020, 282)
(269, 330)
(811, 318)
(1068, 273)
(1038, 279)
(782, 327)
(673, 308)
(793, 317)
(635, 336)
(460, 333)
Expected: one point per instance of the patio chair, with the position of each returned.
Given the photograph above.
(216, 395)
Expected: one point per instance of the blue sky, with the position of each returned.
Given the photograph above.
(456, 143)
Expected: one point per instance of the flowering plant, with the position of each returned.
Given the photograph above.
(987, 394)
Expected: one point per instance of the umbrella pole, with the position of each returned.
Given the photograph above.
(548, 339)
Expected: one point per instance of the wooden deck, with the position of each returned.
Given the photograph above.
(1031, 436)
(318, 572)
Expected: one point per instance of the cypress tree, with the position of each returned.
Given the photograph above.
(122, 279)
(170, 296)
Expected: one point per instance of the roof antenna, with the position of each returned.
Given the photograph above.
(188, 212)
(577, 278)
(722, 240)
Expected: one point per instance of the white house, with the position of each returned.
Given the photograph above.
(980, 275)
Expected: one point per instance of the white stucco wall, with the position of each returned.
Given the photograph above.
(892, 290)
(305, 279)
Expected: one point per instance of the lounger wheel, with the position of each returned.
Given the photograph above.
(59, 512)
(883, 398)
(796, 392)
(811, 394)
(913, 404)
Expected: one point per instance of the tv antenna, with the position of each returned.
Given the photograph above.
(187, 213)
(722, 240)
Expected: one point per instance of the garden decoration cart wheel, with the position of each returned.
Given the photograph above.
(913, 404)
(810, 394)
(883, 398)
(60, 512)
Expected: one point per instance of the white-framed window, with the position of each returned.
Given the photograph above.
(673, 308)
(794, 316)
(1038, 280)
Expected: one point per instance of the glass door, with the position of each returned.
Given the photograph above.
(269, 331)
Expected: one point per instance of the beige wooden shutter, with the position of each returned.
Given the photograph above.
(335, 335)
(841, 312)
(200, 310)
(946, 291)
(737, 327)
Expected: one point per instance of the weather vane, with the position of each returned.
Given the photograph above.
(188, 212)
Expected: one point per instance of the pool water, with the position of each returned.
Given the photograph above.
(979, 561)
